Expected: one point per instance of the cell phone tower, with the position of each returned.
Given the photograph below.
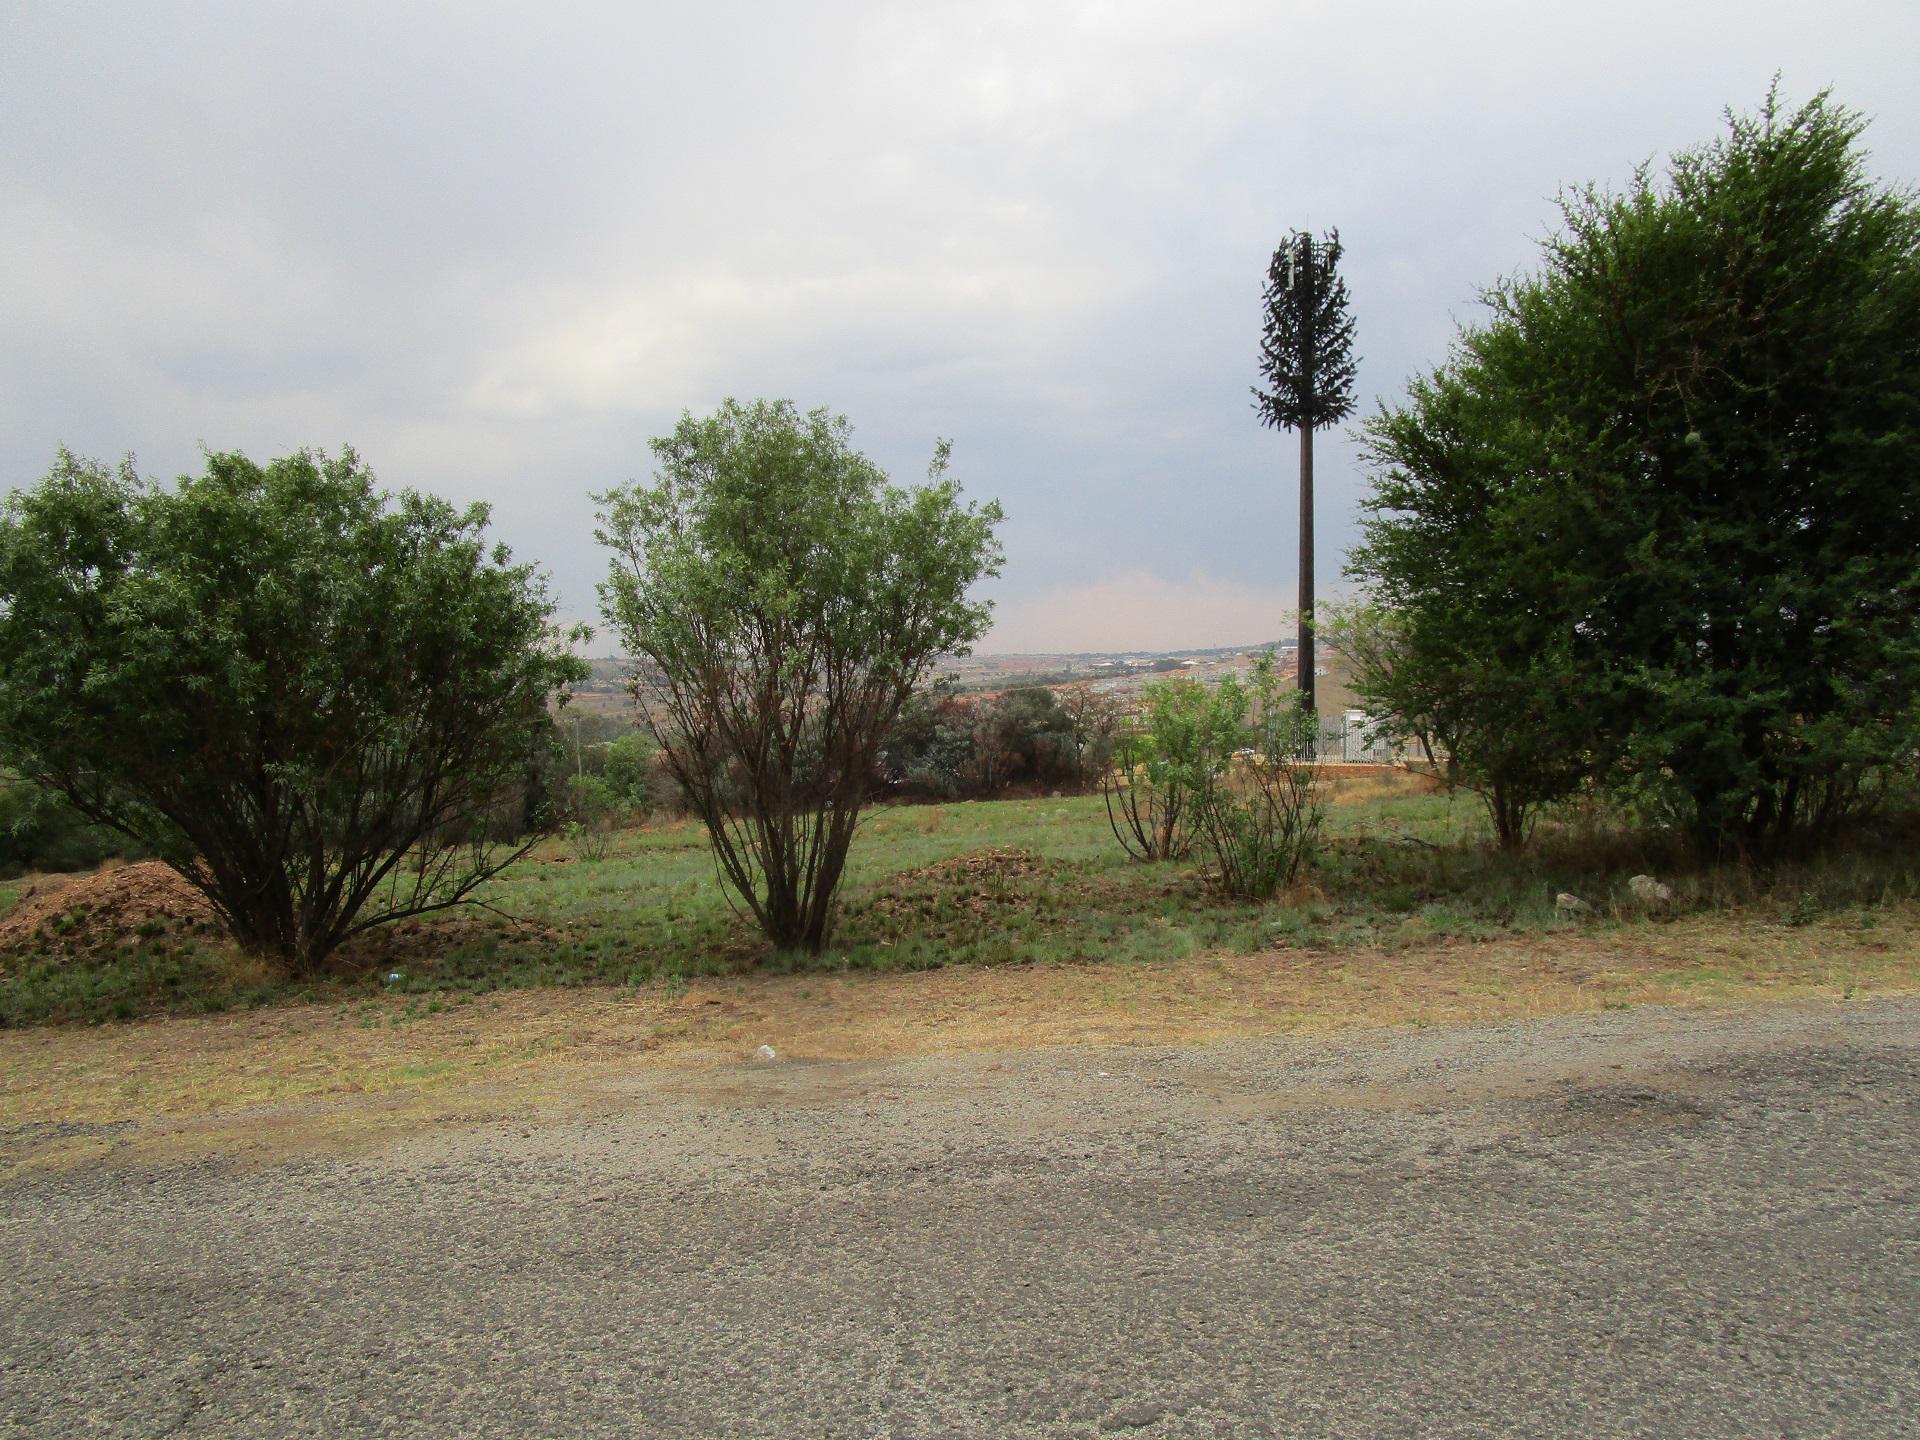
(1307, 361)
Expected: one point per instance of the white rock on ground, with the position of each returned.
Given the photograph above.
(1649, 891)
(1568, 903)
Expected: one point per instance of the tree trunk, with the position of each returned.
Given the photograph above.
(1509, 817)
(1306, 568)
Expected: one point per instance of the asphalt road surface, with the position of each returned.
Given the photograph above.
(1649, 1223)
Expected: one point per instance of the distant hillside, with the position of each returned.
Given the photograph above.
(1119, 670)
(608, 671)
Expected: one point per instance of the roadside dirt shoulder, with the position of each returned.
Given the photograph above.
(349, 1075)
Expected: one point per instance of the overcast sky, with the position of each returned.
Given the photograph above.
(496, 248)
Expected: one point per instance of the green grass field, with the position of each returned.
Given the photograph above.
(988, 883)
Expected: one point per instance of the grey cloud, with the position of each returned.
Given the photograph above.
(496, 248)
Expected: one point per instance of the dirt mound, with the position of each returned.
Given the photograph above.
(984, 879)
(124, 905)
(992, 866)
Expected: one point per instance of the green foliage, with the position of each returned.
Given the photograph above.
(1466, 646)
(929, 750)
(1092, 726)
(306, 696)
(595, 746)
(1034, 737)
(1477, 684)
(1149, 789)
(790, 599)
(39, 830)
(592, 813)
(1230, 769)
(950, 747)
(1306, 343)
(627, 771)
(582, 739)
(1661, 509)
(1252, 774)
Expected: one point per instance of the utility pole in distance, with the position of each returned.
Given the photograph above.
(1307, 360)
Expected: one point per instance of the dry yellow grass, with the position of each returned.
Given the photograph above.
(352, 1074)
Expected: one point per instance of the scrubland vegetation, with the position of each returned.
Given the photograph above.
(1405, 870)
(1642, 558)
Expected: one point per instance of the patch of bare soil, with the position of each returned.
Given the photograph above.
(116, 907)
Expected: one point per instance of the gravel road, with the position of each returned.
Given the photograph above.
(1648, 1223)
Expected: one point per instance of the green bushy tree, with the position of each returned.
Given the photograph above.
(1704, 413)
(928, 751)
(1093, 725)
(1464, 643)
(948, 747)
(308, 697)
(1036, 736)
(1221, 769)
(39, 830)
(628, 771)
(790, 599)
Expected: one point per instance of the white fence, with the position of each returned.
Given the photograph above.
(1355, 739)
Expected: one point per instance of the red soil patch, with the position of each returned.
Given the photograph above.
(112, 907)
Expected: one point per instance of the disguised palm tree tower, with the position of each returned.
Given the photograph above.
(1307, 360)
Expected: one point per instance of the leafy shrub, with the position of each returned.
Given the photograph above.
(627, 771)
(1148, 786)
(593, 812)
(950, 747)
(1231, 769)
(1257, 808)
(39, 830)
(790, 598)
(310, 697)
(1653, 521)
